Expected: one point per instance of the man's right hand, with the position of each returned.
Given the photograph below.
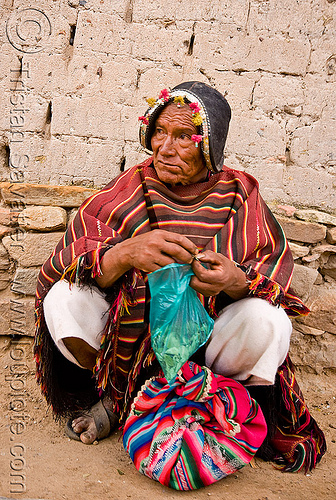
(147, 252)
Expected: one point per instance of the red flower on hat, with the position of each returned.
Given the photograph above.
(196, 138)
(164, 94)
(195, 107)
(143, 119)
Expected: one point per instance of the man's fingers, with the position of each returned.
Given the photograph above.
(177, 246)
(204, 273)
(158, 262)
(158, 248)
(181, 241)
(177, 252)
(205, 289)
(163, 260)
(210, 257)
(209, 281)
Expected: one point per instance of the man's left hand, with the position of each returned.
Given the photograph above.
(221, 274)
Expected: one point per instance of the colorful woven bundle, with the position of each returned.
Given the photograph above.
(195, 431)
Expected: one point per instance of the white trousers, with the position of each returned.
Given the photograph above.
(249, 341)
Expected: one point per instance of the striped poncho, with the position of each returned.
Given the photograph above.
(225, 214)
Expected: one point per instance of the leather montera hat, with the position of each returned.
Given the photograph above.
(211, 114)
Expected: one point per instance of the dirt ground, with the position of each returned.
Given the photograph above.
(38, 461)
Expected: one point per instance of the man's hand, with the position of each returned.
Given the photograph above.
(220, 275)
(147, 252)
(151, 251)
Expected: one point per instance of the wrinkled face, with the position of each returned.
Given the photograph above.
(176, 158)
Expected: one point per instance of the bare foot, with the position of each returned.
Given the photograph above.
(86, 427)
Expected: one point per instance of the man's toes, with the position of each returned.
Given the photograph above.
(86, 428)
(80, 424)
(88, 437)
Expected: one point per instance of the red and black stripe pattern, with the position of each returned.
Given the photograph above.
(225, 214)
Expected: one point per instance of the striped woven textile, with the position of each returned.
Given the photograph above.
(195, 431)
(225, 214)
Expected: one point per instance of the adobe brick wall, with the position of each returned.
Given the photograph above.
(70, 98)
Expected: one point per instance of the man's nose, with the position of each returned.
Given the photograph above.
(167, 146)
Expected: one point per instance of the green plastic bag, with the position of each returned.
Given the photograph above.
(178, 321)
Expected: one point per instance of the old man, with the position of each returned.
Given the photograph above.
(181, 205)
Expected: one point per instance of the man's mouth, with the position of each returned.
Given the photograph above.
(169, 165)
